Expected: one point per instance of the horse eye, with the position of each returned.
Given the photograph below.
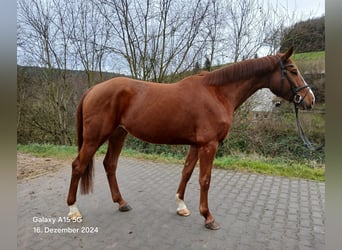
(294, 71)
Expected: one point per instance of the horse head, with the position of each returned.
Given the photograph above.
(288, 83)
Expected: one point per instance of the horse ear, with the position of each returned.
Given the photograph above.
(287, 54)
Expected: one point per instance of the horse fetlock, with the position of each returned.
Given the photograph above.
(204, 211)
(74, 214)
(182, 209)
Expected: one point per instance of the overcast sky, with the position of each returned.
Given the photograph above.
(303, 9)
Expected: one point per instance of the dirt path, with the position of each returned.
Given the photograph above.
(29, 166)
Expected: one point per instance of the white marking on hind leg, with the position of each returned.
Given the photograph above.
(182, 209)
(74, 213)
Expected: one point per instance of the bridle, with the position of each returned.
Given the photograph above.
(297, 100)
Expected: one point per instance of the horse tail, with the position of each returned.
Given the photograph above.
(88, 175)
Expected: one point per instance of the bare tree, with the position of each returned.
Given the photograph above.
(90, 38)
(47, 42)
(247, 21)
(156, 37)
(279, 17)
(214, 27)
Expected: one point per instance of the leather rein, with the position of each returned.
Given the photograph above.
(297, 100)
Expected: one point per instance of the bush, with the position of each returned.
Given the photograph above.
(177, 151)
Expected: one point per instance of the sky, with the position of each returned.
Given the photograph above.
(309, 7)
(302, 9)
(296, 10)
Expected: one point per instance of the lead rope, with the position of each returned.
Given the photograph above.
(302, 135)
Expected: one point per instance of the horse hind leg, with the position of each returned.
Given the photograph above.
(115, 144)
(189, 166)
(81, 166)
(74, 213)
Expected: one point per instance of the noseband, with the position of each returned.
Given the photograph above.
(297, 98)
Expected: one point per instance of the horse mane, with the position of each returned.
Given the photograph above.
(241, 70)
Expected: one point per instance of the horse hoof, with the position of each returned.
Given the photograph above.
(212, 226)
(125, 208)
(76, 216)
(184, 212)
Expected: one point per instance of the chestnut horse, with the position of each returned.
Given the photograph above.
(196, 111)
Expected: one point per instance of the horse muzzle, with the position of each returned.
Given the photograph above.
(305, 102)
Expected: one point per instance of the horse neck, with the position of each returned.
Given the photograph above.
(238, 82)
(236, 93)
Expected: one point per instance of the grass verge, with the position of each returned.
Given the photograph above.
(309, 56)
(48, 150)
(237, 162)
(279, 167)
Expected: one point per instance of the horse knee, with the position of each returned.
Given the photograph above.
(205, 183)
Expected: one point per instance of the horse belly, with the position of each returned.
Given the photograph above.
(162, 122)
(158, 130)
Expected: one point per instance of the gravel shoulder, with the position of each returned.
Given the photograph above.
(30, 167)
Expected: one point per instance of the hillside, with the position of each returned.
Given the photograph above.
(311, 62)
(305, 36)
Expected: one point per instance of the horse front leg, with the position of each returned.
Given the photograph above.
(110, 162)
(206, 157)
(190, 163)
